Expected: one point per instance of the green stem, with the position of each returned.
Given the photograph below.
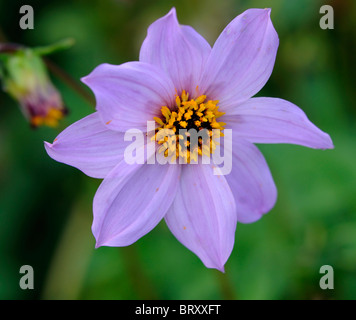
(60, 45)
(141, 283)
(227, 291)
(70, 82)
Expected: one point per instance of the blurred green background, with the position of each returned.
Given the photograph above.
(45, 206)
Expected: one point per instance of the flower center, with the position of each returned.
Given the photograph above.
(189, 128)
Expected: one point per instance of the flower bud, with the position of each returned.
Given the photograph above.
(25, 78)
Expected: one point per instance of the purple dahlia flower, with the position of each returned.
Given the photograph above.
(181, 82)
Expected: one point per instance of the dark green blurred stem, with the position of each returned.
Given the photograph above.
(2, 36)
(138, 277)
(9, 47)
(226, 289)
(70, 82)
(5, 45)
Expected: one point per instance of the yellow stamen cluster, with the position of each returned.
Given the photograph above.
(50, 119)
(173, 132)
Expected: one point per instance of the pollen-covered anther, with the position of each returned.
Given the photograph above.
(50, 119)
(176, 123)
